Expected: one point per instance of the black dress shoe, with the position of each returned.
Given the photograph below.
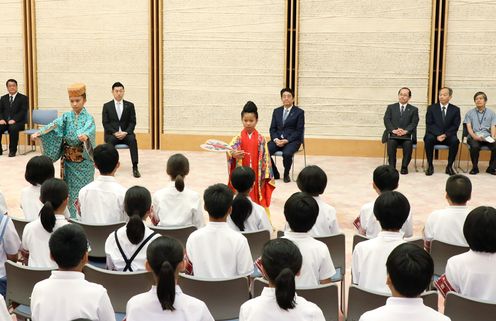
(404, 171)
(429, 171)
(136, 173)
(491, 171)
(12, 154)
(474, 171)
(450, 171)
(287, 179)
(277, 175)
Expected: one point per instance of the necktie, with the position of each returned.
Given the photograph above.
(444, 113)
(119, 110)
(402, 110)
(285, 115)
(11, 100)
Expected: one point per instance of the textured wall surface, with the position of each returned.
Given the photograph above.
(97, 43)
(218, 55)
(354, 58)
(470, 51)
(11, 44)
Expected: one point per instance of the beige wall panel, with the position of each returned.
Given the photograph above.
(97, 43)
(353, 58)
(217, 56)
(11, 44)
(470, 52)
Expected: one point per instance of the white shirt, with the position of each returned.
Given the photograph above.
(265, 307)
(472, 274)
(10, 243)
(257, 221)
(447, 225)
(327, 223)
(407, 309)
(372, 226)
(317, 263)
(31, 204)
(102, 201)
(3, 205)
(175, 208)
(216, 251)
(4, 312)
(119, 109)
(115, 261)
(35, 240)
(145, 306)
(369, 261)
(66, 295)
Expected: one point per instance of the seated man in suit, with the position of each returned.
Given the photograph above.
(441, 125)
(119, 120)
(286, 132)
(481, 128)
(401, 120)
(13, 115)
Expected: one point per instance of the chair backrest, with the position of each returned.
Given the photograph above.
(223, 297)
(257, 240)
(357, 238)
(97, 235)
(417, 241)
(361, 301)
(441, 252)
(336, 245)
(180, 233)
(460, 308)
(22, 279)
(44, 116)
(279, 233)
(19, 224)
(121, 286)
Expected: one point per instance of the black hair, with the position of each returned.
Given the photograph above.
(480, 93)
(301, 211)
(53, 193)
(242, 179)
(409, 91)
(480, 229)
(164, 255)
(137, 203)
(117, 84)
(10, 80)
(459, 189)
(106, 158)
(250, 108)
(39, 169)
(312, 180)
(386, 178)
(391, 209)
(218, 199)
(177, 169)
(282, 260)
(289, 90)
(68, 245)
(410, 269)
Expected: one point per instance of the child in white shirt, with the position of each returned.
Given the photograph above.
(216, 251)
(9, 248)
(54, 196)
(369, 257)
(66, 295)
(165, 300)
(177, 205)
(385, 178)
(410, 270)
(301, 211)
(102, 201)
(313, 180)
(281, 262)
(246, 215)
(447, 225)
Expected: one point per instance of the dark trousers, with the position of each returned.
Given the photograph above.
(451, 141)
(13, 130)
(129, 140)
(475, 147)
(287, 154)
(393, 144)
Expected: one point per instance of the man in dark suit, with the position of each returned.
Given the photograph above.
(442, 122)
(119, 121)
(401, 120)
(13, 115)
(286, 132)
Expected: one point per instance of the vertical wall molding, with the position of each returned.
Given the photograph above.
(156, 72)
(29, 31)
(438, 48)
(292, 30)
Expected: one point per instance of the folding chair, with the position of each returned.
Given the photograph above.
(40, 117)
(441, 252)
(257, 240)
(357, 238)
(460, 308)
(464, 142)
(180, 233)
(437, 148)
(414, 147)
(19, 224)
(301, 149)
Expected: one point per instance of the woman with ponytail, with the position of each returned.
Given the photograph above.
(177, 205)
(246, 215)
(165, 300)
(281, 262)
(54, 195)
(126, 247)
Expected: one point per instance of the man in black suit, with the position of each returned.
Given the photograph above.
(286, 132)
(401, 120)
(13, 115)
(442, 122)
(119, 121)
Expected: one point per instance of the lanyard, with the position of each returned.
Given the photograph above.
(481, 120)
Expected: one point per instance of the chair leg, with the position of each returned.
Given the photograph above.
(384, 156)
(415, 161)
(292, 169)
